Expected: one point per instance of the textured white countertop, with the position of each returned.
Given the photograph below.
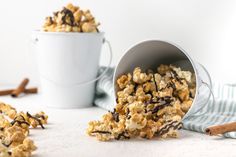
(65, 136)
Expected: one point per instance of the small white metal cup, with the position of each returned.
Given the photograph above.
(150, 54)
(68, 65)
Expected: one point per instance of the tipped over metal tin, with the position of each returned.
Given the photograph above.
(151, 53)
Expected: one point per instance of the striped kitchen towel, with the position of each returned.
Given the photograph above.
(104, 95)
(223, 110)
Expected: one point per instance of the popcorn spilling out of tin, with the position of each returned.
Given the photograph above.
(157, 86)
(149, 104)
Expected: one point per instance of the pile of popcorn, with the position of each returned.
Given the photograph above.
(14, 129)
(149, 104)
(71, 19)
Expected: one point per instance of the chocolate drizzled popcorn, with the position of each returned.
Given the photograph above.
(14, 129)
(149, 104)
(71, 19)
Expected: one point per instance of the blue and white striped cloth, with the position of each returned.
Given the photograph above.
(222, 111)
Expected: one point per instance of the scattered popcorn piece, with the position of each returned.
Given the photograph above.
(148, 105)
(14, 129)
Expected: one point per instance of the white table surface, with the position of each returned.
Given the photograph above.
(65, 136)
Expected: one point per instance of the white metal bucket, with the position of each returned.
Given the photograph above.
(68, 65)
(150, 54)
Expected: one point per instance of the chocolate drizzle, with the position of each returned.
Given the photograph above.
(101, 132)
(145, 110)
(176, 76)
(7, 145)
(19, 122)
(154, 80)
(157, 108)
(122, 135)
(127, 112)
(50, 19)
(56, 13)
(67, 13)
(22, 121)
(172, 85)
(163, 102)
(174, 124)
(115, 115)
(35, 118)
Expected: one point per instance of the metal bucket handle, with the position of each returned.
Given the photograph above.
(209, 86)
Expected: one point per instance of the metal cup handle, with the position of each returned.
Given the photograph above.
(209, 86)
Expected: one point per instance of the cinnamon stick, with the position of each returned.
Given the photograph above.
(6, 92)
(221, 129)
(21, 88)
(31, 90)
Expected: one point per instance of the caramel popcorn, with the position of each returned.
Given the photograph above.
(71, 19)
(14, 129)
(149, 104)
